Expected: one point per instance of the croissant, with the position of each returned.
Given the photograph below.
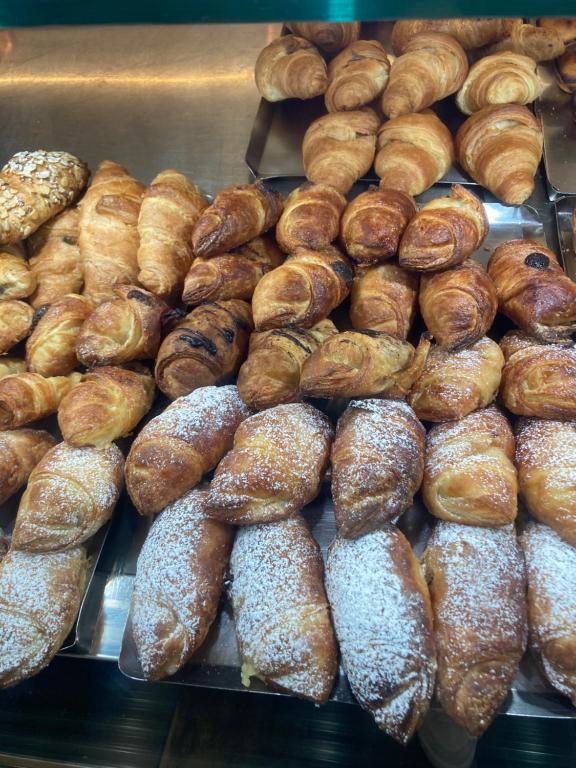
(15, 323)
(533, 290)
(124, 328)
(338, 148)
(478, 588)
(71, 493)
(356, 76)
(108, 403)
(303, 290)
(237, 215)
(469, 476)
(55, 261)
(271, 374)
(377, 464)
(470, 33)
(26, 397)
(311, 218)
(458, 305)
(413, 152)
(170, 208)
(453, 384)
(20, 451)
(275, 467)
(108, 237)
(329, 37)
(34, 187)
(566, 28)
(10, 365)
(384, 298)
(432, 66)
(444, 232)
(539, 43)
(565, 71)
(373, 223)
(501, 147)
(363, 364)
(16, 279)
(383, 620)
(290, 68)
(51, 347)
(503, 78)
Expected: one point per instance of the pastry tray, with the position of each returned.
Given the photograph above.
(563, 208)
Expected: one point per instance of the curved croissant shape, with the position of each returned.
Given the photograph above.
(338, 148)
(20, 451)
(26, 397)
(357, 76)
(17, 281)
(470, 33)
(414, 152)
(311, 218)
(290, 68)
(432, 66)
(538, 43)
(445, 232)
(501, 147)
(384, 298)
(329, 37)
(503, 78)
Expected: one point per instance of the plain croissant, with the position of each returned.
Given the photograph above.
(503, 78)
(290, 68)
(357, 76)
(329, 37)
(470, 33)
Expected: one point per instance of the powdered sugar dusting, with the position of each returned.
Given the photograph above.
(543, 443)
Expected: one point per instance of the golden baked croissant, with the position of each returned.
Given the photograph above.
(377, 464)
(275, 467)
(444, 232)
(356, 76)
(470, 33)
(458, 305)
(237, 215)
(413, 152)
(503, 78)
(20, 451)
(303, 290)
(232, 275)
(453, 384)
(281, 613)
(363, 364)
(15, 323)
(500, 147)
(34, 187)
(26, 397)
(271, 374)
(384, 298)
(373, 223)
(10, 365)
(108, 236)
(478, 588)
(16, 279)
(338, 148)
(566, 28)
(107, 404)
(533, 290)
(207, 347)
(71, 493)
(469, 475)
(383, 620)
(432, 66)
(51, 347)
(290, 68)
(329, 37)
(546, 461)
(124, 328)
(539, 43)
(170, 208)
(311, 218)
(55, 258)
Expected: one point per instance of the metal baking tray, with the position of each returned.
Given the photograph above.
(563, 209)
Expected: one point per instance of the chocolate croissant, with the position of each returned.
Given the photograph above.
(15, 323)
(373, 223)
(26, 397)
(357, 76)
(470, 33)
(363, 364)
(458, 305)
(237, 215)
(311, 218)
(207, 347)
(377, 464)
(500, 147)
(384, 298)
(326, 36)
(444, 232)
(125, 328)
(20, 451)
(271, 374)
(338, 148)
(533, 290)
(413, 152)
(303, 290)
(290, 68)
(16, 279)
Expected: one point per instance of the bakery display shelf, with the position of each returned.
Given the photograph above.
(563, 209)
